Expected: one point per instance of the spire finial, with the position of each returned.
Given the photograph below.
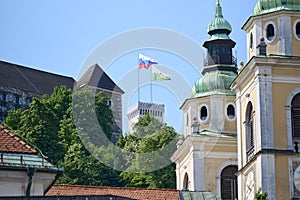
(218, 2)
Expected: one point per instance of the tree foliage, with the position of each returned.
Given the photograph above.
(74, 129)
(150, 136)
(49, 124)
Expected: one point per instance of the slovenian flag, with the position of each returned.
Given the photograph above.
(158, 75)
(145, 62)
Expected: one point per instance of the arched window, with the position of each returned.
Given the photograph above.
(296, 117)
(270, 32)
(251, 41)
(187, 119)
(186, 182)
(203, 113)
(229, 183)
(230, 111)
(298, 30)
(249, 125)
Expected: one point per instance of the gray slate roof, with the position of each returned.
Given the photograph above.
(41, 82)
(31, 80)
(95, 76)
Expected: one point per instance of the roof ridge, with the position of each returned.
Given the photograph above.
(30, 68)
(123, 188)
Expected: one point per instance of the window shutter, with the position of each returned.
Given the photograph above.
(296, 122)
(229, 183)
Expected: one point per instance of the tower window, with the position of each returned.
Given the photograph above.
(298, 30)
(4, 97)
(270, 32)
(187, 120)
(251, 41)
(109, 103)
(186, 182)
(249, 128)
(17, 100)
(230, 111)
(203, 113)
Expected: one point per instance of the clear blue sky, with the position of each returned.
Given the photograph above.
(59, 35)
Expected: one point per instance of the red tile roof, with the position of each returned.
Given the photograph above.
(134, 193)
(10, 143)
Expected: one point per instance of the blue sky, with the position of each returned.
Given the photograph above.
(60, 35)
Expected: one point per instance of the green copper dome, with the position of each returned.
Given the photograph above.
(214, 82)
(219, 23)
(266, 6)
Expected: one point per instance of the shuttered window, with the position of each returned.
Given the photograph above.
(249, 126)
(296, 116)
(229, 183)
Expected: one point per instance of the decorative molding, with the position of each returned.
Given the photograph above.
(286, 79)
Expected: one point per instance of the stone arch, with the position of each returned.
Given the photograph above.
(219, 172)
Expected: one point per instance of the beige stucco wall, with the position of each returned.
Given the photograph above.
(212, 167)
(282, 177)
(273, 47)
(295, 41)
(244, 103)
(279, 112)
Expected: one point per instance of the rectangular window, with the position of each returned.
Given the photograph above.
(4, 97)
(17, 100)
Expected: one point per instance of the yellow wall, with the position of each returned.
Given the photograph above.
(244, 104)
(295, 42)
(273, 47)
(211, 168)
(282, 177)
(204, 125)
(279, 112)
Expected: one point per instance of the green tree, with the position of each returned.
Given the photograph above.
(49, 124)
(84, 169)
(156, 136)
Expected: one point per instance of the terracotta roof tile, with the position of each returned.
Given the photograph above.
(9, 142)
(134, 193)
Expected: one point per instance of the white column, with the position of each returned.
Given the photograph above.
(268, 179)
(198, 171)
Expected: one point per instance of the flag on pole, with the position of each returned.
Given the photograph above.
(145, 62)
(158, 75)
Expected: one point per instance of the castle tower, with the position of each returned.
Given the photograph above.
(140, 109)
(268, 102)
(206, 159)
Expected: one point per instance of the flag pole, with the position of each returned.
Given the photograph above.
(138, 81)
(151, 81)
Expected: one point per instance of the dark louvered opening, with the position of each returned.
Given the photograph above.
(249, 131)
(296, 122)
(296, 116)
(229, 183)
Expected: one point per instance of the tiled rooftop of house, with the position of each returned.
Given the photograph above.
(16, 153)
(132, 193)
(10, 143)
